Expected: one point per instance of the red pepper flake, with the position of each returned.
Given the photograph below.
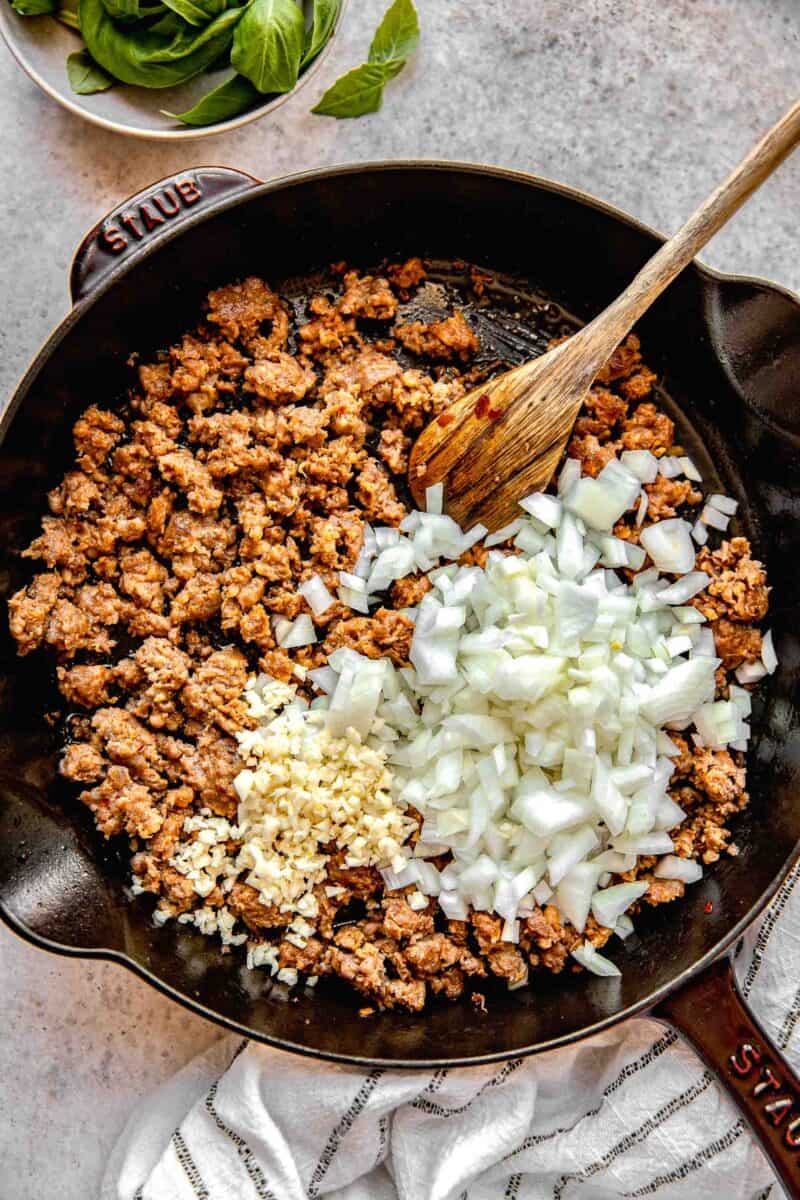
(708, 907)
(482, 406)
(495, 414)
(445, 418)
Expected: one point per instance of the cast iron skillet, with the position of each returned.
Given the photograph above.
(728, 350)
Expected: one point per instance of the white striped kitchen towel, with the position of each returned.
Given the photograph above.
(630, 1113)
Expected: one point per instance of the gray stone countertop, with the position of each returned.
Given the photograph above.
(644, 104)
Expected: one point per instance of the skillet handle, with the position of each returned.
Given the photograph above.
(710, 1011)
(146, 218)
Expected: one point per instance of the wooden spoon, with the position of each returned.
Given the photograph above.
(506, 438)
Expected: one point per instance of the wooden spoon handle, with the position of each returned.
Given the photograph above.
(608, 330)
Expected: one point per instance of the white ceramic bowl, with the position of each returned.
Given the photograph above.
(41, 45)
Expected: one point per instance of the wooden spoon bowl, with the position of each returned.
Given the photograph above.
(505, 439)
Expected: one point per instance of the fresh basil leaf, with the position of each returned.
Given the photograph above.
(319, 31)
(34, 8)
(358, 92)
(197, 12)
(397, 35)
(268, 45)
(84, 75)
(228, 100)
(167, 53)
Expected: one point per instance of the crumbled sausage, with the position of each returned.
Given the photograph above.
(215, 691)
(243, 463)
(738, 588)
(377, 496)
(665, 496)
(244, 902)
(386, 635)
(86, 685)
(449, 340)
(406, 275)
(279, 379)
(648, 429)
(736, 643)
(367, 296)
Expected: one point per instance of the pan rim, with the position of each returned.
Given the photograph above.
(17, 397)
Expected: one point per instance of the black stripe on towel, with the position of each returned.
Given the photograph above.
(341, 1130)
(383, 1133)
(439, 1110)
(631, 1068)
(667, 1111)
(254, 1172)
(693, 1164)
(789, 1022)
(189, 1166)
(512, 1191)
(768, 927)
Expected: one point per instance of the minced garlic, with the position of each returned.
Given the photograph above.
(301, 792)
(304, 790)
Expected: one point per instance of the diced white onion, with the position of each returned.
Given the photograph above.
(316, 593)
(723, 504)
(359, 601)
(600, 502)
(669, 466)
(685, 588)
(300, 633)
(641, 512)
(503, 535)
(700, 532)
(751, 672)
(434, 498)
(689, 469)
(353, 582)
(768, 656)
(669, 544)
(570, 474)
(325, 678)
(684, 869)
(609, 904)
(683, 689)
(658, 842)
(714, 518)
(593, 961)
(640, 463)
(718, 723)
(544, 508)
(574, 894)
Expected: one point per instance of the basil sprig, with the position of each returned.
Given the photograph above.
(161, 43)
(360, 91)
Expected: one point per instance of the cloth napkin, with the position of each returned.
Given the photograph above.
(632, 1112)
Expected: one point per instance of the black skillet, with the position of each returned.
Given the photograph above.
(728, 352)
